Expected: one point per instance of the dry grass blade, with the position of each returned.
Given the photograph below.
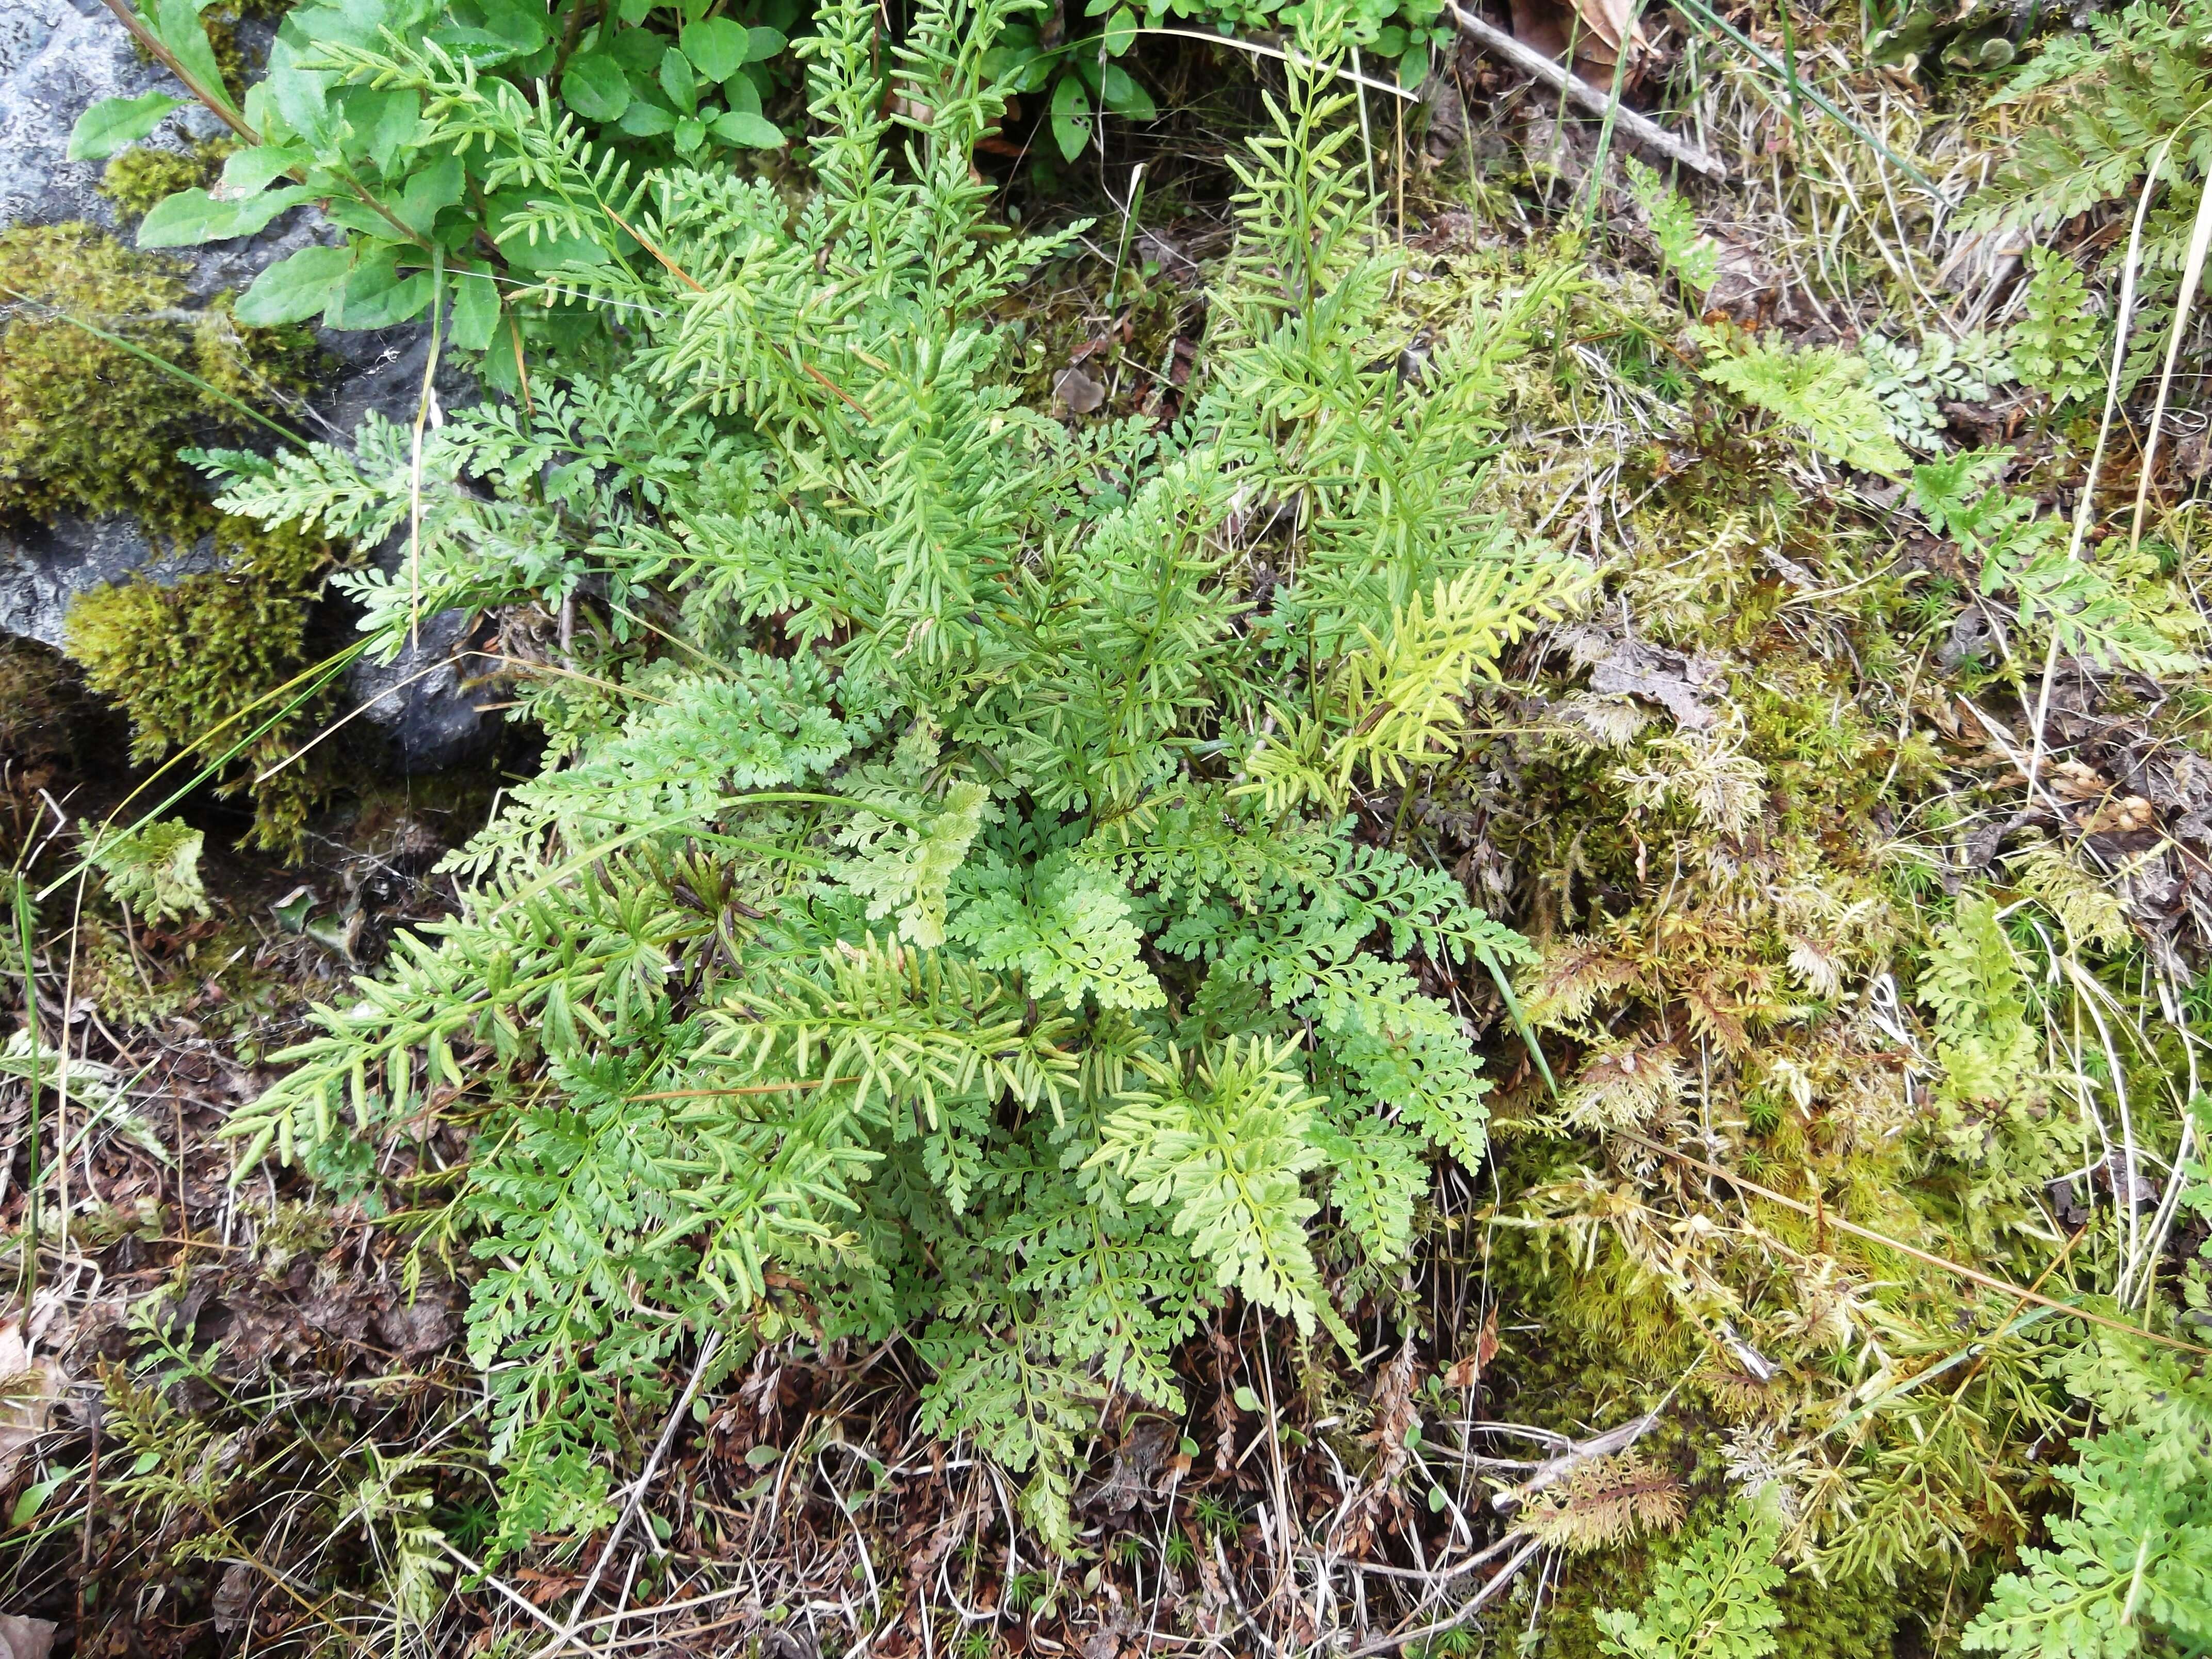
(1641, 127)
(1973, 1275)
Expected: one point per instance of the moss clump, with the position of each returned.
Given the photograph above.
(86, 426)
(195, 665)
(143, 175)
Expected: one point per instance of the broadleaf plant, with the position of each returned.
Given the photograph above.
(941, 911)
(424, 216)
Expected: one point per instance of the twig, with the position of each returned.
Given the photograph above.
(1435, 1575)
(562, 1638)
(1553, 1470)
(1496, 1582)
(216, 98)
(1645, 131)
(707, 1352)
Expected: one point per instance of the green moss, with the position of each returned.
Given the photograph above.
(86, 426)
(143, 175)
(194, 666)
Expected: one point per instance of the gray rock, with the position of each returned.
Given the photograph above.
(56, 58)
(420, 702)
(43, 570)
(383, 371)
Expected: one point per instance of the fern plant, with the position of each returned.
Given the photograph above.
(2106, 109)
(1714, 1601)
(2130, 1568)
(1912, 382)
(1978, 996)
(1820, 391)
(943, 914)
(2056, 345)
(155, 868)
(1692, 258)
(2113, 610)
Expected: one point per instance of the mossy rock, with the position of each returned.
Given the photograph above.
(143, 175)
(216, 666)
(90, 425)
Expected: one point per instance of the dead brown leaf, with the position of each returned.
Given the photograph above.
(21, 1637)
(1076, 392)
(1467, 1371)
(29, 1390)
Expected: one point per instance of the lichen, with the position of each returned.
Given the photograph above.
(86, 425)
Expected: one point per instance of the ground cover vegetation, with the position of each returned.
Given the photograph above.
(1423, 893)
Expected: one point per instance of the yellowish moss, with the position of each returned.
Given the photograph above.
(199, 666)
(87, 426)
(143, 175)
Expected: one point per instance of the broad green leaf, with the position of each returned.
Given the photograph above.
(1120, 92)
(301, 97)
(552, 252)
(740, 93)
(177, 25)
(1036, 72)
(595, 88)
(296, 287)
(638, 50)
(429, 191)
(644, 120)
(765, 43)
(524, 23)
(363, 23)
(347, 213)
(375, 294)
(475, 310)
(383, 122)
(111, 123)
(480, 47)
(690, 133)
(1121, 31)
(249, 172)
(1070, 116)
(192, 217)
(717, 48)
(677, 81)
(738, 126)
(1413, 66)
(34, 1497)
